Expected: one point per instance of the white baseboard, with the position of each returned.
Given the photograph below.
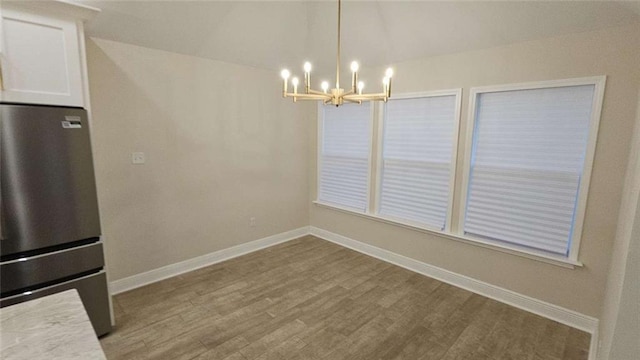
(165, 272)
(594, 346)
(538, 307)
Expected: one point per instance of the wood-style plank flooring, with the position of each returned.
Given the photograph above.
(312, 299)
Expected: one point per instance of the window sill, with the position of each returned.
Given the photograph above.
(546, 258)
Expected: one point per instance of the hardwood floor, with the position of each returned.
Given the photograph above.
(312, 299)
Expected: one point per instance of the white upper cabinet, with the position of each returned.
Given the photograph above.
(42, 53)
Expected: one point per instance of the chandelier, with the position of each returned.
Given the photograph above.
(336, 96)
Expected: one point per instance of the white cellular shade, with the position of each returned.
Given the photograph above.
(344, 155)
(417, 145)
(527, 160)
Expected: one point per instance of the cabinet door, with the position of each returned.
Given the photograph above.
(40, 59)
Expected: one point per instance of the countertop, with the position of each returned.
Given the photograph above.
(52, 327)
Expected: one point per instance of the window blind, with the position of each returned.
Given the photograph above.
(344, 155)
(417, 143)
(527, 160)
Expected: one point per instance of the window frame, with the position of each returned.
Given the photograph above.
(320, 133)
(456, 232)
(381, 118)
(599, 83)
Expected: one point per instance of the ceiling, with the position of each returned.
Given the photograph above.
(273, 35)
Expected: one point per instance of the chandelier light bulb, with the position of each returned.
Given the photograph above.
(385, 81)
(360, 85)
(295, 81)
(285, 74)
(307, 67)
(354, 66)
(389, 73)
(324, 86)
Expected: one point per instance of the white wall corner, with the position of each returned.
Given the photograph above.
(628, 228)
(165, 272)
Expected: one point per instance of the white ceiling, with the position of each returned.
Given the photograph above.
(272, 35)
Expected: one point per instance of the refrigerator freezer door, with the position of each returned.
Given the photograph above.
(92, 290)
(47, 181)
(42, 270)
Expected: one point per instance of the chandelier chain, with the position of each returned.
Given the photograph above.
(338, 52)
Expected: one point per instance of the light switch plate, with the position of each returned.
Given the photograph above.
(137, 158)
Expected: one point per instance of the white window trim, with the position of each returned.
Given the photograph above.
(599, 83)
(513, 250)
(320, 132)
(454, 154)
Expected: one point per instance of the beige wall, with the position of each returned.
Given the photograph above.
(220, 151)
(615, 53)
(221, 145)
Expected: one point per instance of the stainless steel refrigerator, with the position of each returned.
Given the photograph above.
(50, 227)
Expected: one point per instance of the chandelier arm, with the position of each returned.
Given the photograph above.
(351, 92)
(352, 101)
(366, 97)
(316, 92)
(307, 99)
(310, 96)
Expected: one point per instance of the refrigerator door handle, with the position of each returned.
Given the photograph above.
(2, 223)
(2, 220)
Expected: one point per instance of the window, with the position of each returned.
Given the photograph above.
(529, 150)
(345, 138)
(419, 137)
(527, 181)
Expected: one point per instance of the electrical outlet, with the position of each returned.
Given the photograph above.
(252, 222)
(137, 158)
